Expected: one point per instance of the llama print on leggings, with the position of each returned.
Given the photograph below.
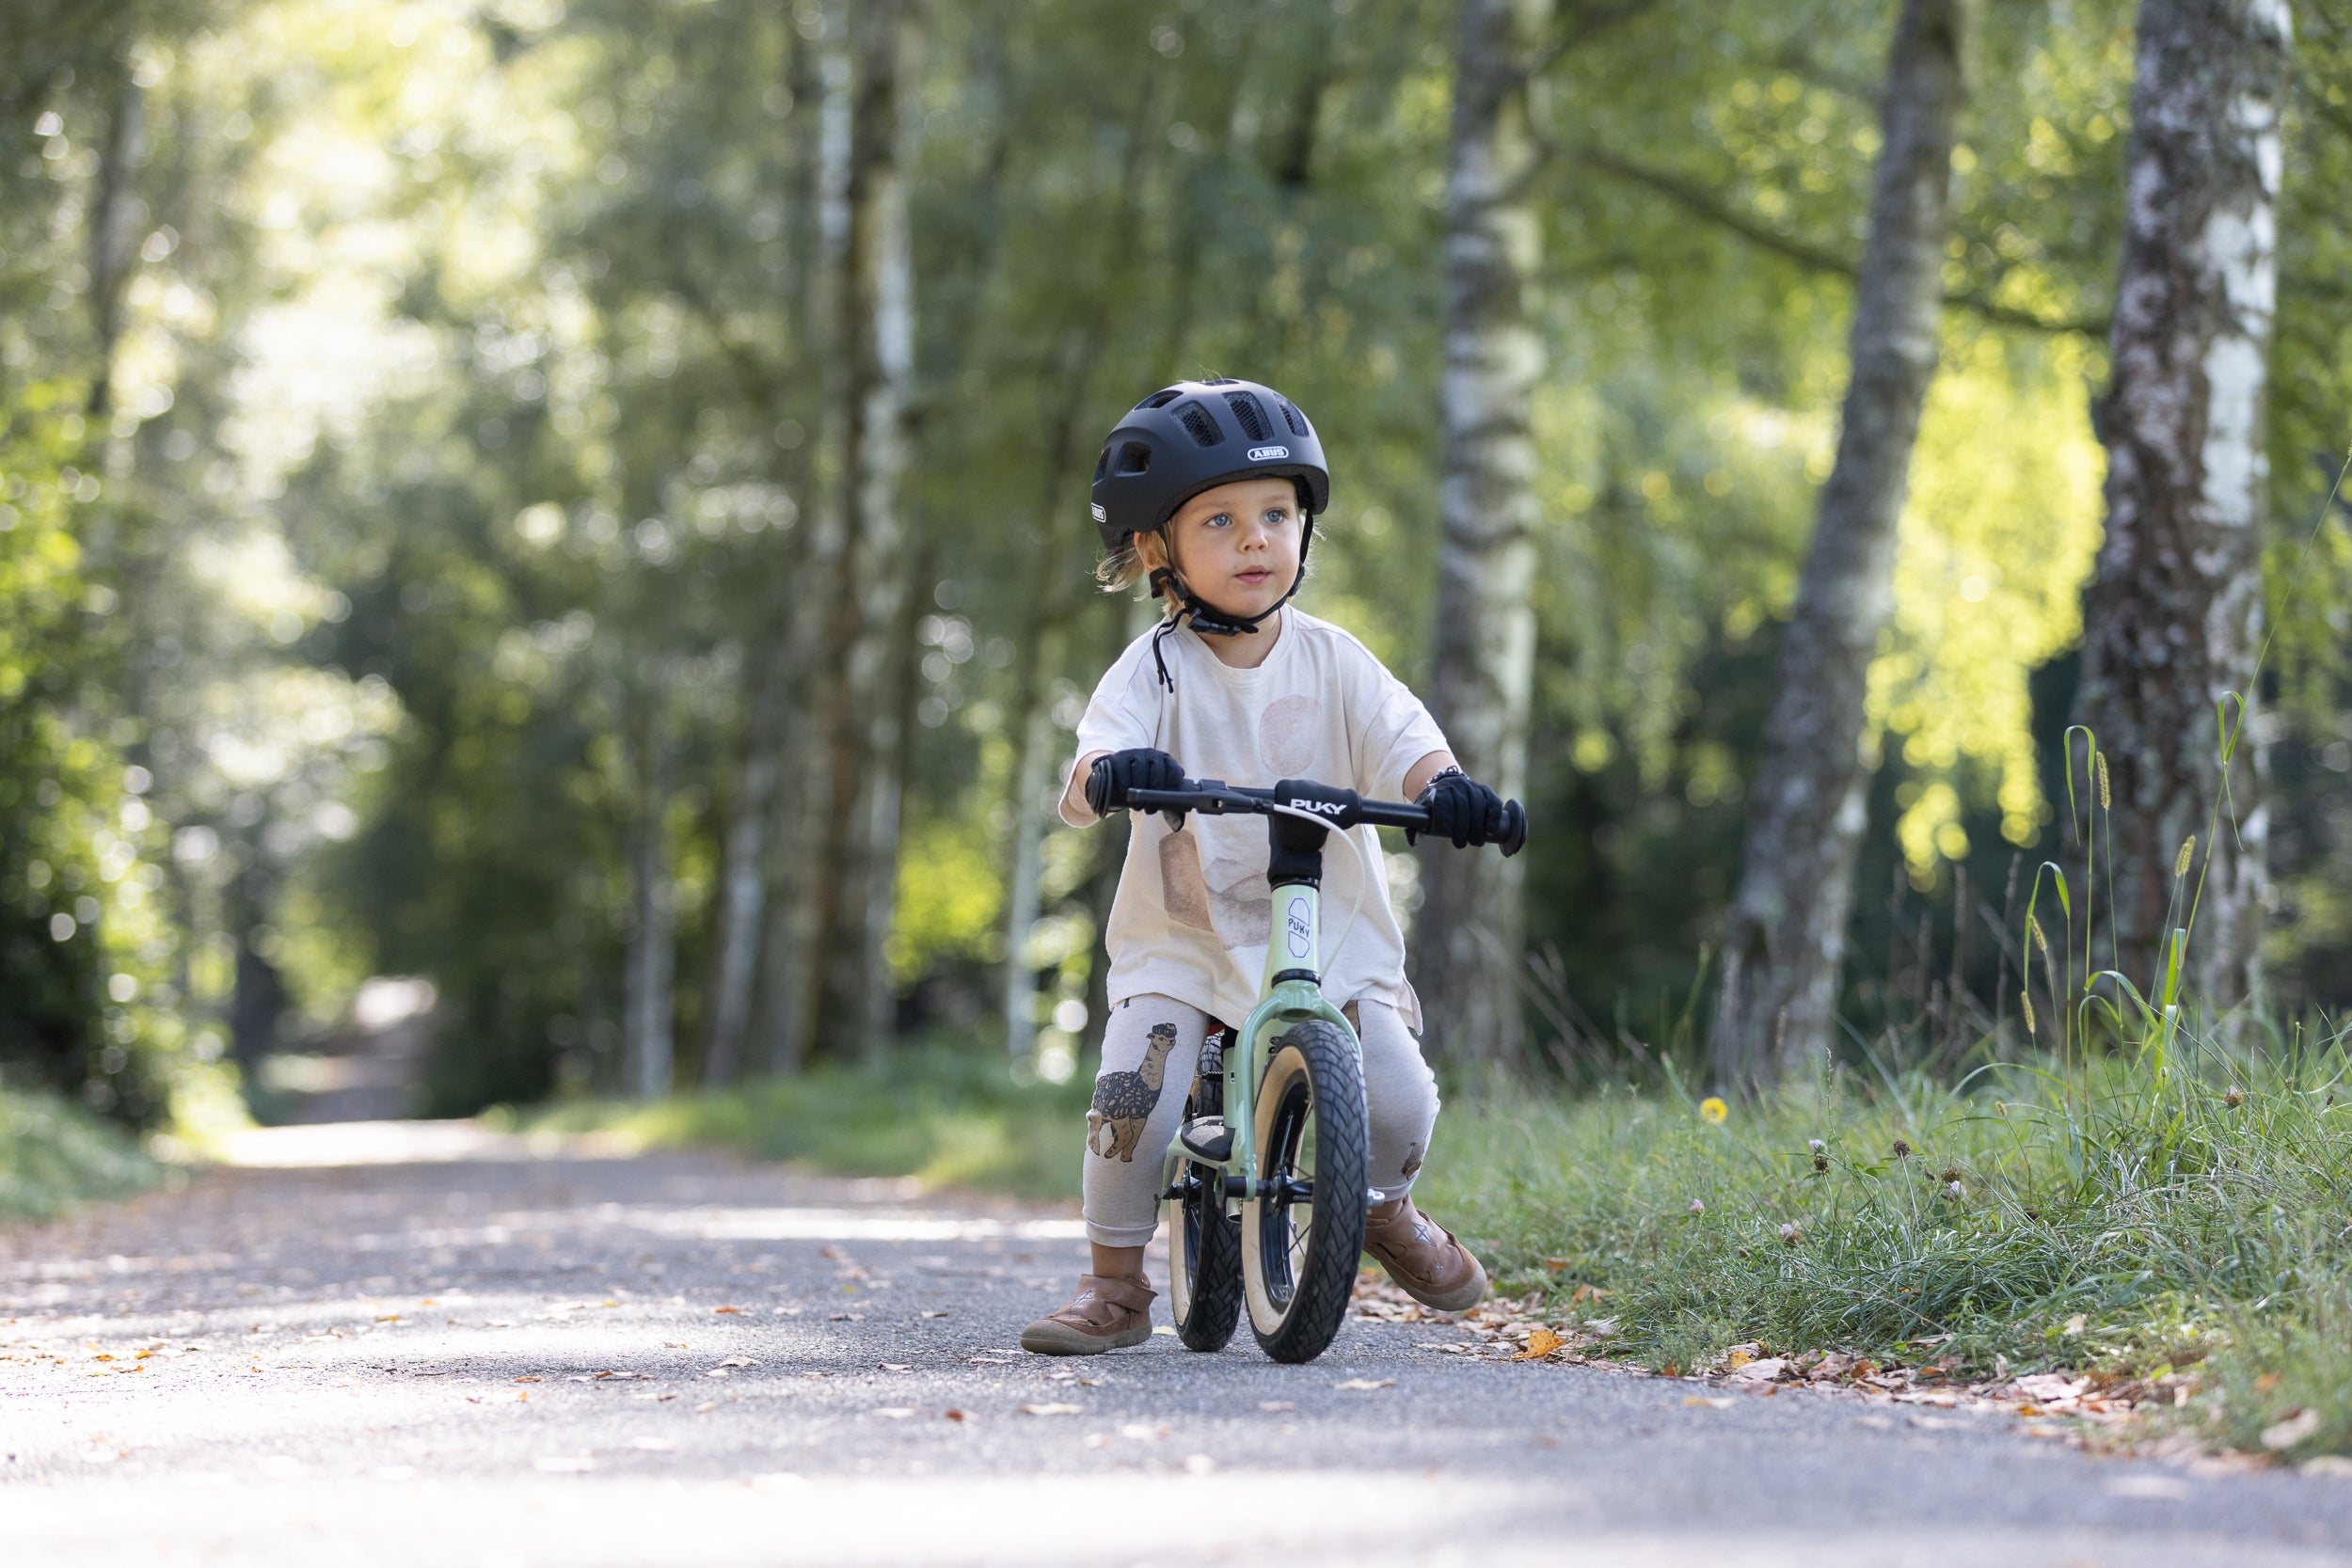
(1123, 1100)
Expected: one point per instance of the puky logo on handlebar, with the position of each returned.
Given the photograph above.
(1301, 929)
(1324, 808)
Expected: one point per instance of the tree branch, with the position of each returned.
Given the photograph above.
(1585, 23)
(1703, 203)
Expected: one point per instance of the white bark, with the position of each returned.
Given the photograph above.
(801, 840)
(1467, 958)
(2173, 619)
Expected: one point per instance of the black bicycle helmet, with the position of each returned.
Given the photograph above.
(1180, 441)
(1183, 440)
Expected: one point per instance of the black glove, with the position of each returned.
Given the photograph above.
(1139, 767)
(1462, 809)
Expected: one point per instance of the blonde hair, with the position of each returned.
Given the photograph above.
(1123, 568)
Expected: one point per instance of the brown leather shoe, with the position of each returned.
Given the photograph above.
(1422, 1257)
(1106, 1314)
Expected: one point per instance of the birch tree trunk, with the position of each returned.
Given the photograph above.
(804, 820)
(649, 1004)
(745, 870)
(1784, 943)
(878, 312)
(1467, 937)
(2173, 621)
(114, 235)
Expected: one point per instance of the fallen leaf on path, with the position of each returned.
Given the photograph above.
(738, 1361)
(958, 1416)
(892, 1366)
(706, 1408)
(1050, 1409)
(1708, 1403)
(1366, 1384)
(1540, 1343)
(530, 1380)
(718, 1310)
(934, 1314)
(389, 1318)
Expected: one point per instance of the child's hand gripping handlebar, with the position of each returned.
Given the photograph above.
(1341, 808)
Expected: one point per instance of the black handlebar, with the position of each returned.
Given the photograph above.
(1341, 808)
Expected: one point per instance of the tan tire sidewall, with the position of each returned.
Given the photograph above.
(1287, 1063)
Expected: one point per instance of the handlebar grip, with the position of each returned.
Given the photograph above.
(1098, 789)
(1513, 837)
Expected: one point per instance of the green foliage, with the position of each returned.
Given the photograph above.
(53, 1157)
(83, 941)
(465, 424)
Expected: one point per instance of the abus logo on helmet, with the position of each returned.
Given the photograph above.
(1100, 515)
(1268, 455)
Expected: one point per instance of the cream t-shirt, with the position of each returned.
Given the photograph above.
(1193, 910)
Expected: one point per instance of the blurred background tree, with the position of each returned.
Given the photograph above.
(580, 501)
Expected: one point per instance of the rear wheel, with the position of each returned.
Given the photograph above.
(1301, 1236)
(1203, 1251)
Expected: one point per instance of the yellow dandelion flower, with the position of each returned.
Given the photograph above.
(1713, 1109)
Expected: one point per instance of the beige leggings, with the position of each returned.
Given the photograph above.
(1150, 1049)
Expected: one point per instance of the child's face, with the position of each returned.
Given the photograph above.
(1236, 545)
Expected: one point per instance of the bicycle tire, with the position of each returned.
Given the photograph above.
(1311, 1126)
(1204, 1254)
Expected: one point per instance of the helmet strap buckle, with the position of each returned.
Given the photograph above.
(1206, 618)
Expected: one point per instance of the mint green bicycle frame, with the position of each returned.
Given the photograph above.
(1293, 943)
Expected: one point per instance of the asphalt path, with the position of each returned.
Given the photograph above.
(428, 1344)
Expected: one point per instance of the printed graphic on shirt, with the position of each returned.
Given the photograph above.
(1241, 903)
(1123, 1100)
(1412, 1161)
(1287, 731)
(1183, 888)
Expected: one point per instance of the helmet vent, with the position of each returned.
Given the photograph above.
(1103, 465)
(1133, 458)
(1161, 399)
(1195, 421)
(1293, 417)
(1252, 417)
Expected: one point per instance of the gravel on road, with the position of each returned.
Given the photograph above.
(403, 1343)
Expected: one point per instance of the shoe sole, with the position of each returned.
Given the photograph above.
(1047, 1338)
(1460, 1299)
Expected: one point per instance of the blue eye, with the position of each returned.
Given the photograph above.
(1220, 520)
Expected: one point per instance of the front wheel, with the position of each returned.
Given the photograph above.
(1204, 1253)
(1302, 1234)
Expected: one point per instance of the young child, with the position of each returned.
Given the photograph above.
(1211, 490)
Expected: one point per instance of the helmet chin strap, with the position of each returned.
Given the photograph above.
(1206, 618)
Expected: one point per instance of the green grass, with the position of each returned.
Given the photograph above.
(54, 1156)
(2130, 1219)
(947, 1119)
